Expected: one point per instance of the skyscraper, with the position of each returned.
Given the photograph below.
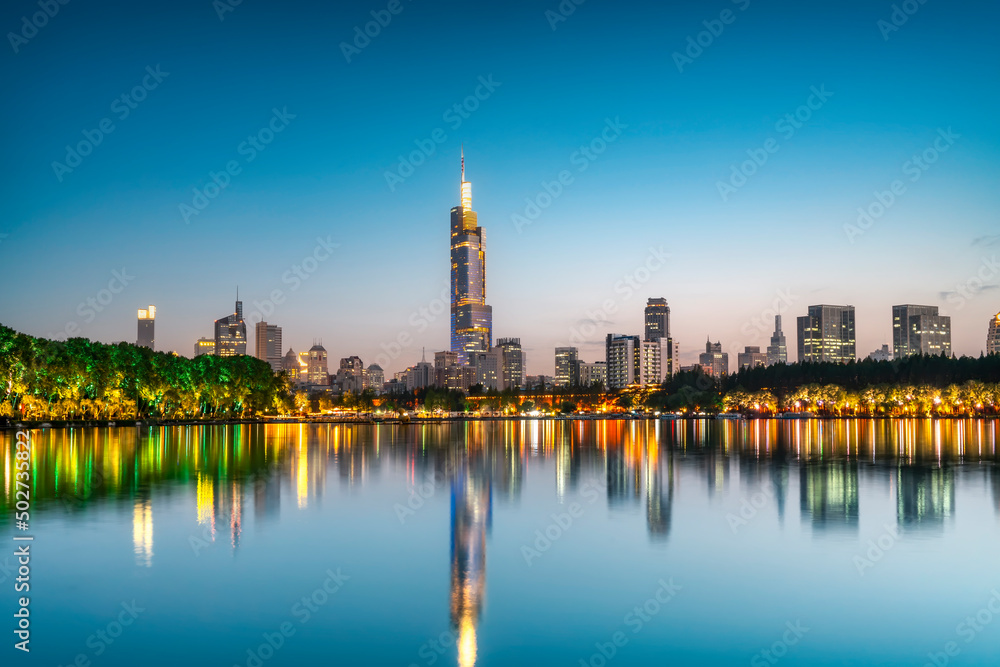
(623, 358)
(714, 360)
(147, 320)
(827, 334)
(657, 319)
(267, 345)
(777, 351)
(471, 318)
(567, 367)
(993, 337)
(513, 362)
(919, 330)
(231, 333)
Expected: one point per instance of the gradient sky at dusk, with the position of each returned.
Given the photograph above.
(655, 185)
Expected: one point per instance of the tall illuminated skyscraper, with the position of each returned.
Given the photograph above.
(471, 318)
(231, 333)
(147, 321)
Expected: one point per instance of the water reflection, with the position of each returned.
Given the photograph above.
(218, 471)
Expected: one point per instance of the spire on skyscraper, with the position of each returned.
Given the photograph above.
(466, 186)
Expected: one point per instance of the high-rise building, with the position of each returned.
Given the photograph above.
(351, 375)
(670, 362)
(267, 344)
(751, 357)
(471, 318)
(827, 334)
(567, 367)
(231, 333)
(204, 346)
(147, 320)
(296, 367)
(595, 372)
(650, 363)
(714, 359)
(316, 365)
(919, 330)
(993, 337)
(488, 367)
(513, 362)
(657, 319)
(777, 351)
(374, 378)
(622, 356)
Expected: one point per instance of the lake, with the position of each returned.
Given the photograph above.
(517, 542)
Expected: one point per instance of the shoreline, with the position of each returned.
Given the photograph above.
(407, 421)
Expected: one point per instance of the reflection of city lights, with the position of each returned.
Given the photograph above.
(302, 479)
(467, 643)
(205, 499)
(142, 532)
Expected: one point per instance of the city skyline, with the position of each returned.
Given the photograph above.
(356, 256)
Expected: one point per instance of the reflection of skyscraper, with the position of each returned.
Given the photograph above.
(829, 494)
(471, 512)
(471, 318)
(623, 478)
(266, 495)
(924, 496)
(659, 500)
(142, 532)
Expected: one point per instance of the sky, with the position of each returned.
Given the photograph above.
(716, 154)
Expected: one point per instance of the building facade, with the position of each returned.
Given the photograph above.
(267, 345)
(827, 334)
(488, 366)
(883, 354)
(567, 367)
(374, 378)
(919, 330)
(777, 351)
(316, 365)
(650, 363)
(146, 335)
(471, 318)
(231, 334)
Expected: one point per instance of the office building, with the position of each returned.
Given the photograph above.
(231, 333)
(713, 360)
(827, 334)
(777, 351)
(993, 337)
(295, 366)
(513, 363)
(622, 356)
(657, 319)
(267, 345)
(567, 367)
(595, 372)
(488, 366)
(147, 320)
(471, 318)
(751, 357)
(351, 375)
(204, 346)
(920, 330)
(374, 378)
(315, 365)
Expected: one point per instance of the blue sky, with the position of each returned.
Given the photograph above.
(777, 239)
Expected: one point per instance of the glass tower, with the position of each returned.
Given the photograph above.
(471, 318)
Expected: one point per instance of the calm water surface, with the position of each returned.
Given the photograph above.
(512, 543)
